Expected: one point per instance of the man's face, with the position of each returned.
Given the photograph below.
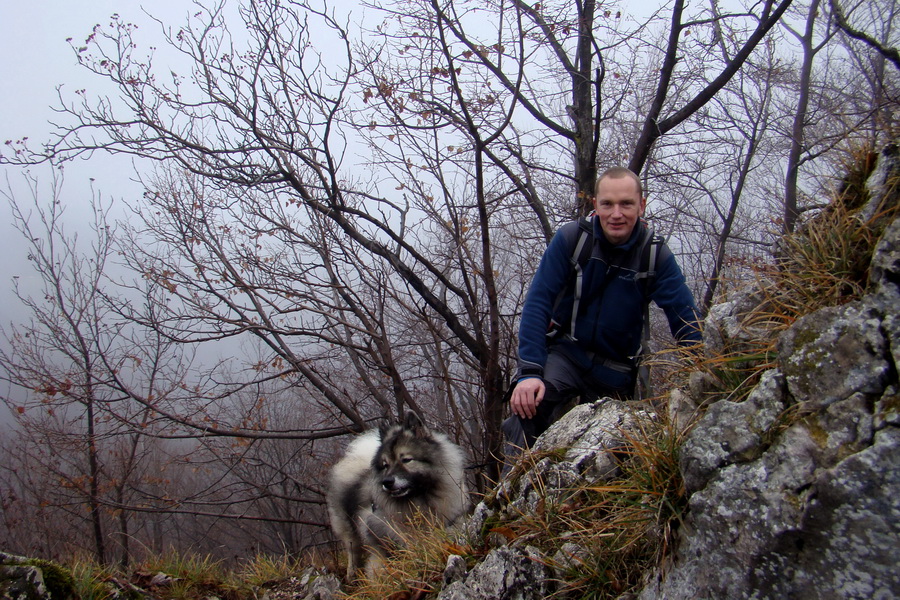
(618, 206)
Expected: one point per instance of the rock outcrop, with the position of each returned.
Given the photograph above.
(796, 491)
(32, 579)
(582, 447)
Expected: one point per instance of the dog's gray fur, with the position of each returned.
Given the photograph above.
(386, 477)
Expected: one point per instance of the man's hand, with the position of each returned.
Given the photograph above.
(527, 394)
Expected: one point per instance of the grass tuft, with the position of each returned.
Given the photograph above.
(264, 569)
(607, 536)
(415, 568)
(188, 576)
(177, 576)
(91, 580)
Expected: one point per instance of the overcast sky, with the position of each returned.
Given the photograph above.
(36, 59)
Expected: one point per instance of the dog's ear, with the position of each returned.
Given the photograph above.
(414, 424)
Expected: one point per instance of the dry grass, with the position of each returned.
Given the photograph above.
(263, 568)
(415, 569)
(622, 527)
(178, 576)
(825, 263)
(91, 581)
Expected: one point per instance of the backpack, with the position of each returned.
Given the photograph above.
(650, 250)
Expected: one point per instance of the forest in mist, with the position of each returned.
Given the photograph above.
(354, 209)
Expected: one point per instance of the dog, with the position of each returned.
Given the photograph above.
(386, 477)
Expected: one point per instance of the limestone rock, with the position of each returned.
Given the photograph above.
(505, 574)
(29, 579)
(731, 432)
(727, 327)
(22, 582)
(455, 570)
(884, 272)
(835, 352)
(581, 446)
(795, 493)
(882, 183)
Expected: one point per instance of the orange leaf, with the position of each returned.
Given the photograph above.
(505, 532)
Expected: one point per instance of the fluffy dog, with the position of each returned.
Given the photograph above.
(386, 477)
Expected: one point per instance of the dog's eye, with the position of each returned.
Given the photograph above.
(406, 460)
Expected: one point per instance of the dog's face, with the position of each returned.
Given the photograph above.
(404, 465)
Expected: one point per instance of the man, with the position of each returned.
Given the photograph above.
(593, 352)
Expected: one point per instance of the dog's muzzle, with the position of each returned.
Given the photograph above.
(396, 488)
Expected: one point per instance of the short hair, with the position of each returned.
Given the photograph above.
(618, 173)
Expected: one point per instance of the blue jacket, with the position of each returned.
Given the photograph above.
(611, 311)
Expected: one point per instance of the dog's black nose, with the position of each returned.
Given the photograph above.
(387, 483)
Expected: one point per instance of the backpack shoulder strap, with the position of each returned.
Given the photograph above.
(582, 246)
(581, 252)
(580, 257)
(652, 249)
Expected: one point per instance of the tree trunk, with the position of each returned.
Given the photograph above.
(94, 483)
(791, 209)
(583, 111)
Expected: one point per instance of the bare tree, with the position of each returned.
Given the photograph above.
(407, 273)
(810, 45)
(654, 126)
(720, 201)
(236, 263)
(84, 386)
(873, 89)
(880, 43)
(56, 358)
